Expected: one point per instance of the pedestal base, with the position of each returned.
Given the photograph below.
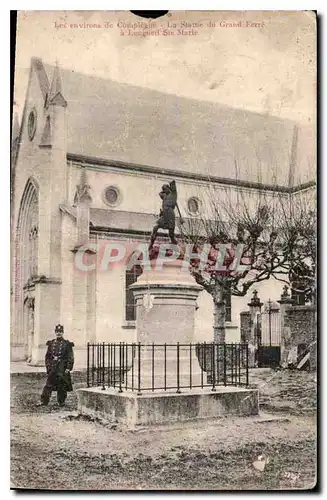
(132, 411)
(160, 369)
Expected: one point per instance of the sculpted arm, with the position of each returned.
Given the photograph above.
(173, 189)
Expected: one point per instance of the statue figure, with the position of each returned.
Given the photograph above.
(166, 219)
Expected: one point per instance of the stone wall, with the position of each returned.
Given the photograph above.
(300, 331)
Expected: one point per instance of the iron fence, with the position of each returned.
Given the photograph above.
(153, 367)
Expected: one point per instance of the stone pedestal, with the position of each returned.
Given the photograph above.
(165, 308)
(133, 411)
(164, 382)
(165, 301)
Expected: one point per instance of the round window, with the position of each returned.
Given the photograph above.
(31, 125)
(193, 206)
(112, 195)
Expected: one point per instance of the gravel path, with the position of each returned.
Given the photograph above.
(55, 449)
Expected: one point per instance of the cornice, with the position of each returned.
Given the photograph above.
(101, 164)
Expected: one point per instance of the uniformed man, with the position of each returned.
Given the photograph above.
(59, 361)
(166, 219)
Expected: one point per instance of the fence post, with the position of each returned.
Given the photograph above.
(213, 368)
(133, 355)
(224, 364)
(152, 367)
(247, 364)
(126, 366)
(120, 367)
(88, 365)
(92, 370)
(178, 389)
(239, 363)
(98, 363)
(114, 346)
(233, 364)
(139, 370)
(190, 366)
(111, 365)
(103, 366)
(165, 365)
(108, 354)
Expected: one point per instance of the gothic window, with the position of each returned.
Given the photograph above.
(32, 229)
(130, 305)
(25, 253)
(27, 237)
(32, 236)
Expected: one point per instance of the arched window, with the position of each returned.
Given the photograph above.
(130, 304)
(27, 234)
(25, 253)
(228, 303)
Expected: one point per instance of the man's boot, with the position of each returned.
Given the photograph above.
(45, 397)
(61, 397)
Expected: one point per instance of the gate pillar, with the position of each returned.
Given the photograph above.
(255, 311)
(286, 337)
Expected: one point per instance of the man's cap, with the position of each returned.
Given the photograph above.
(59, 329)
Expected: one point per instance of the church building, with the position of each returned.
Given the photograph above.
(88, 161)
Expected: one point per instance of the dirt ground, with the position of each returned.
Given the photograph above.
(54, 448)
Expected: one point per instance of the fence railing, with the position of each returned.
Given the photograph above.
(165, 367)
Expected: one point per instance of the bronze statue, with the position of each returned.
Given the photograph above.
(166, 219)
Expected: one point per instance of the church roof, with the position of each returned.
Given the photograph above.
(116, 121)
(115, 220)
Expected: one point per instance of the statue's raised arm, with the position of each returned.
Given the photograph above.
(172, 186)
(173, 192)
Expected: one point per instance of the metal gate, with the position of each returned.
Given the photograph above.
(269, 338)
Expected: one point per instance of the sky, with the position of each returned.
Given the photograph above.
(269, 67)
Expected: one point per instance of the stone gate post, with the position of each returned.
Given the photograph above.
(255, 310)
(286, 336)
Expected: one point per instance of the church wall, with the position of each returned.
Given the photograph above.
(32, 160)
(46, 168)
(67, 273)
(110, 306)
(140, 191)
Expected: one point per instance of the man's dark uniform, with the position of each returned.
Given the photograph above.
(59, 361)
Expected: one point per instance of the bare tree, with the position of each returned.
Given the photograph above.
(270, 232)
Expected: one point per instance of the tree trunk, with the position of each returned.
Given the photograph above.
(219, 316)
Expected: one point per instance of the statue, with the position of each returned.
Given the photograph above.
(166, 219)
